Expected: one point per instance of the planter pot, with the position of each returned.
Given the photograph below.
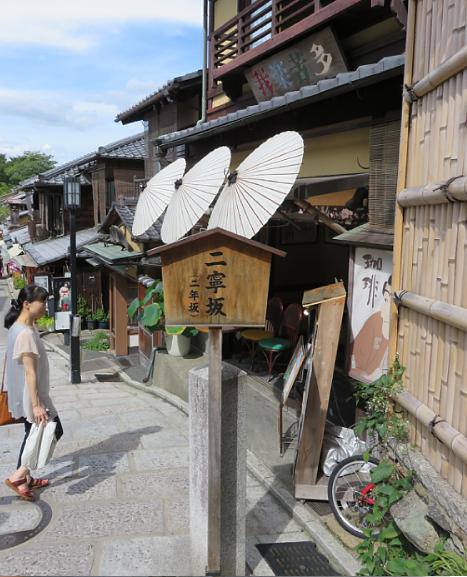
(177, 345)
(91, 324)
(103, 324)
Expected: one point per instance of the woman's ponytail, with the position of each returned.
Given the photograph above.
(30, 294)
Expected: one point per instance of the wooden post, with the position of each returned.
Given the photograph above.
(121, 315)
(214, 459)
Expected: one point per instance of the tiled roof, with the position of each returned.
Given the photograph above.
(133, 147)
(127, 215)
(343, 82)
(133, 113)
(55, 249)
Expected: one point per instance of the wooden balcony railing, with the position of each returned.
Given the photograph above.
(263, 21)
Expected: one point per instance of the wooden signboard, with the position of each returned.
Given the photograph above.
(215, 278)
(307, 62)
(317, 390)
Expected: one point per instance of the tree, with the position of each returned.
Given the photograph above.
(28, 164)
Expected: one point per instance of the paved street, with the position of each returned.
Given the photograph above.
(118, 500)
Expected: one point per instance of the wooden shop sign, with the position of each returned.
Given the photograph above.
(316, 57)
(215, 278)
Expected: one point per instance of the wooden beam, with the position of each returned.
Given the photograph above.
(321, 217)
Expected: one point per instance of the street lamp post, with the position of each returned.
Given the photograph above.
(71, 202)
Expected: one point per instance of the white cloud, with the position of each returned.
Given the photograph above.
(16, 148)
(56, 109)
(63, 24)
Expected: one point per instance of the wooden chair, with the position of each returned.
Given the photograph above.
(290, 328)
(273, 321)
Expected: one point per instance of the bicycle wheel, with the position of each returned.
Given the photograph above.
(349, 492)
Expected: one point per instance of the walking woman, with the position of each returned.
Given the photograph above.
(27, 378)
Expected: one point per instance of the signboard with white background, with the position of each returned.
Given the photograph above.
(370, 309)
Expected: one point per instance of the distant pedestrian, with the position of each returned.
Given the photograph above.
(27, 378)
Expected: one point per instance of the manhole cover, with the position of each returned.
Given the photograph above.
(296, 558)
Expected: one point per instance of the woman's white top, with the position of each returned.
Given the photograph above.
(22, 340)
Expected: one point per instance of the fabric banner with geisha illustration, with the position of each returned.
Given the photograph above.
(370, 309)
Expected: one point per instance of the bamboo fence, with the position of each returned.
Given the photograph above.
(432, 236)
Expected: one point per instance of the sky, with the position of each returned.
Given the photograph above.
(67, 68)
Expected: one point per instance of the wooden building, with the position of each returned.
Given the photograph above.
(430, 267)
(109, 174)
(333, 72)
(174, 106)
(123, 264)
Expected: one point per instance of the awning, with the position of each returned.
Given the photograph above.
(367, 235)
(15, 250)
(25, 260)
(111, 253)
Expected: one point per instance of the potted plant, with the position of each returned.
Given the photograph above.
(178, 340)
(101, 318)
(91, 322)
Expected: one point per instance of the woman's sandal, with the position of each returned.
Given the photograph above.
(23, 493)
(37, 483)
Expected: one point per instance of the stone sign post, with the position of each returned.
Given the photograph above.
(216, 279)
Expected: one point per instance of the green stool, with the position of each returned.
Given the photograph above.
(272, 349)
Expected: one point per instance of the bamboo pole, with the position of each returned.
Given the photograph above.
(443, 193)
(446, 70)
(402, 177)
(450, 314)
(448, 435)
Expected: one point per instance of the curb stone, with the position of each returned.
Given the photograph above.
(309, 521)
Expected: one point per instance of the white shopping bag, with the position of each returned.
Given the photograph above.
(39, 446)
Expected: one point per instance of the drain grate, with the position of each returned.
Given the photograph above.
(295, 558)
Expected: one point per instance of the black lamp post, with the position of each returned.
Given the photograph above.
(71, 202)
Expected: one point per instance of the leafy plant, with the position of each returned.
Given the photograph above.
(444, 562)
(98, 342)
(100, 315)
(377, 400)
(45, 323)
(185, 331)
(150, 309)
(384, 550)
(19, 282)
(83, 309)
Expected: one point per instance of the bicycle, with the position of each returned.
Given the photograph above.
(351, 488)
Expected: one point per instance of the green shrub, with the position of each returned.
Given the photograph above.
(19, 282)
(98, 342)
(45, 323)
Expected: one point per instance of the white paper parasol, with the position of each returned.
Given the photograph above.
(195, 193)
(156, 196)
(260, 184)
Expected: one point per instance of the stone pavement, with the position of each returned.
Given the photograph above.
(118, 500)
